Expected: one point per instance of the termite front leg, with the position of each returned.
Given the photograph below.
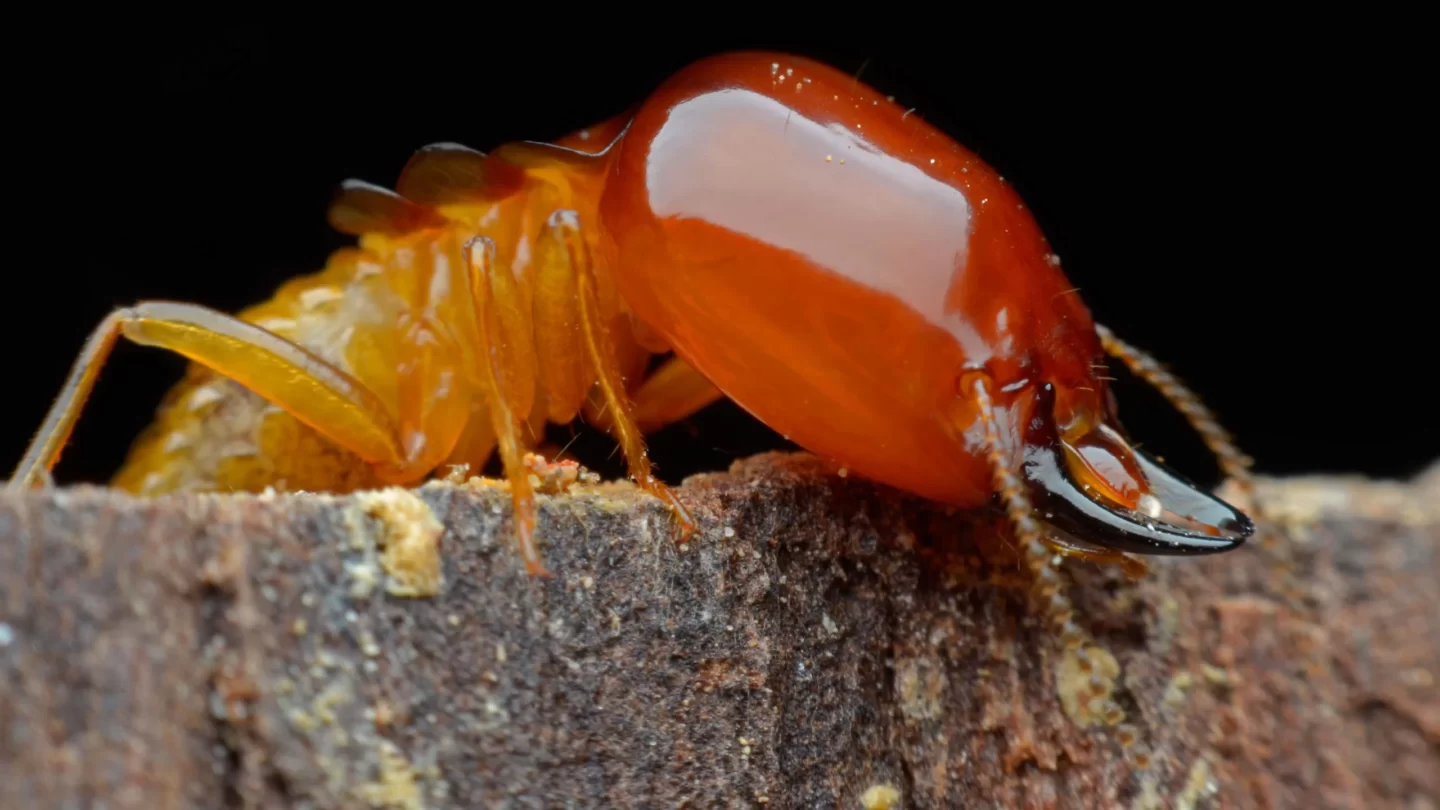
(1037, 554)
(563, 230)
(672, 392)
(317, 393)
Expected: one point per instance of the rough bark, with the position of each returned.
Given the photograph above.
(820, 637)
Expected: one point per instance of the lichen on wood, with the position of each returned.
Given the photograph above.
(821, 642)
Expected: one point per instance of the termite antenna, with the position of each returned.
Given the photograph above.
(1233, 463)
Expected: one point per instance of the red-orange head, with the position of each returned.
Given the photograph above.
(836, 265)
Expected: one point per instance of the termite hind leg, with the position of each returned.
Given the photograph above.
(317, 393)
(45, 448)
(564, 225)
(496, 296)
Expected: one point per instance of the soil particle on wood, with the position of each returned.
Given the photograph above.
(820, 643)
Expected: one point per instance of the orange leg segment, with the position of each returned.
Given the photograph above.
(317, 393)
(495, 294)
(603, 358)
(574, 352)
(566, 373)
(673, 392)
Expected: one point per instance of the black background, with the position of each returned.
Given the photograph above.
(1254, 213)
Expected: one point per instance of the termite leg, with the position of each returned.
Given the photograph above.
(317, 393)
(566, 373)
(672, 392)
(600, 348)
(1035, 550)
(1233, 463)
(1036, 553)
(494, 292)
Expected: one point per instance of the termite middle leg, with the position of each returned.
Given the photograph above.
(316, 392)
(563, 229)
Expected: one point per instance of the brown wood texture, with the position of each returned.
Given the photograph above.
(818, 639)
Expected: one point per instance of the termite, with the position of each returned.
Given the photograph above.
(850, 275)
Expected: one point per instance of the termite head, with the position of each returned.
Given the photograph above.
(1089, 481)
